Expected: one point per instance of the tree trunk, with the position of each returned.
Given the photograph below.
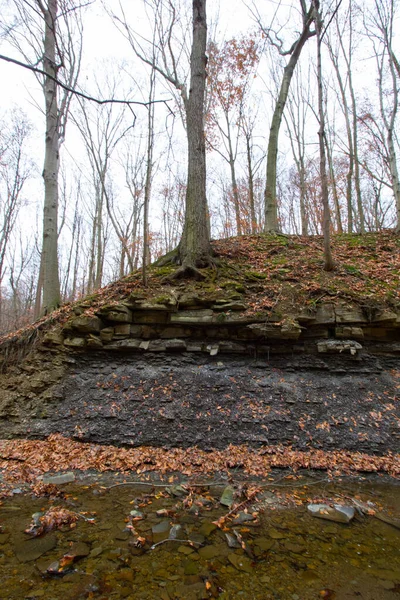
(395, 177)
(303, 197)
(253, 217)
(99, 248)
(149, 173)
(270, 198)
(339, 226)
(354, 147)
(329, 265)
(235, 192)
(346, 113)
(51, 282)
(384, 21)
(194, 247)
(360, 207)
(391, 137)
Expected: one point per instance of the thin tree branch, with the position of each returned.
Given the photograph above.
(76, 92)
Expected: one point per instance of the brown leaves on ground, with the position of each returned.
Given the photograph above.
(289, 269)
(284, 270)
(25, 460)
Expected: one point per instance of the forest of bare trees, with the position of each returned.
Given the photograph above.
(171, 123)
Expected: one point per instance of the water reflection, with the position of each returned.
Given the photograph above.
(227, 541)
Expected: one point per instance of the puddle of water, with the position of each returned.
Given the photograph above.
(284, 554)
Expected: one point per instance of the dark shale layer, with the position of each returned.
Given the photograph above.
(183, 399)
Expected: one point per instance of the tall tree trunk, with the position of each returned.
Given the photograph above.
(51, 282)
(270, 198)
(99, 236)
(235, 192)
(384, 20)
(326, 223)
(303, 196)
(394, 173)
(360, 207)
(332, 176)
(395, 176)
(253, 217)
(298, 114)
(92, 256)
(76, 263)
(195, 249)
(149, 173)
(355, 159)
(346, 113)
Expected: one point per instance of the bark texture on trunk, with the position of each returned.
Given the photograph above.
(51, 282)
(195, 248)
(147, 187)
(346, 113)
(270, 198)
(394, 173)
(253, 217)
(394, 176)
(332, 177)
(326, 223)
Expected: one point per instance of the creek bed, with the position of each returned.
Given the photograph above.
(171, 539)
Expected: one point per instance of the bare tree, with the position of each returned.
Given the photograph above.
(48, 32)
(296, 122)
(380, 26)
(248, 125)
(149, 174)
(15, 169)
(294, 52)
(102, 129)
(329, 264)
(194, 250)
(338, 48)
(375, 164)
(173, 195)
(229, 70)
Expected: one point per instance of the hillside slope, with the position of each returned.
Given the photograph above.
(268, 349)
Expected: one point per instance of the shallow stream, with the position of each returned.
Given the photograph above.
(168, 539)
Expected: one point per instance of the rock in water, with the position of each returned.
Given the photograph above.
(160, 531)
(60, 478)
(175, 532)
(243, 517)
(32, 549)
(232, 541)
(337, 512)
(227, 496)
(177, 490)
(241, 563)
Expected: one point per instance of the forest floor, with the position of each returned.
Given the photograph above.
(274, 274)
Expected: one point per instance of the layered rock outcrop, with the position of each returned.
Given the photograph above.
(226, 325)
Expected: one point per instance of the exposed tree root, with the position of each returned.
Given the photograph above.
(186, 272)
(189, 269)
(171, 258)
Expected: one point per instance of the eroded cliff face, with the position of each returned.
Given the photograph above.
(190, 370)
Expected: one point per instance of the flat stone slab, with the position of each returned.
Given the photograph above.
(31, 549)
(59, 479)
(336, 513)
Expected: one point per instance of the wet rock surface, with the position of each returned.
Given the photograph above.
(182, 400)
(336, 513)
(31, 549)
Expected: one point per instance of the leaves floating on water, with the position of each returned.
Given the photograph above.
(55, 518)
